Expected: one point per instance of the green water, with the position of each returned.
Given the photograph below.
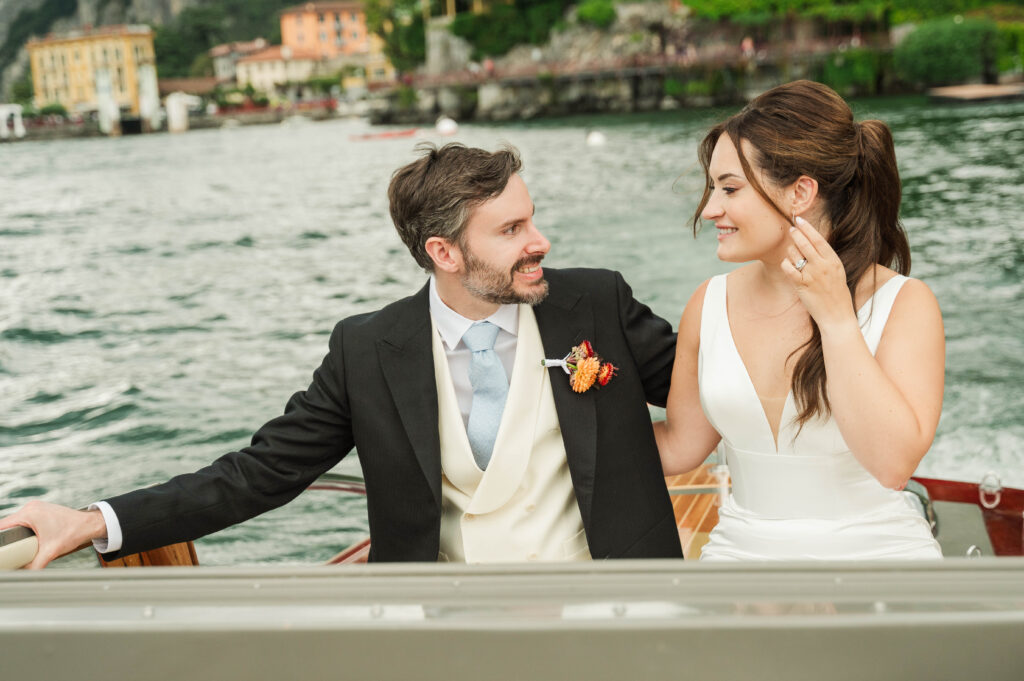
(161, 296)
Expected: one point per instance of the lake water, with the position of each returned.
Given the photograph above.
(161, 296)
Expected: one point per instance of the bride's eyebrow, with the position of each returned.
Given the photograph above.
(726, 176)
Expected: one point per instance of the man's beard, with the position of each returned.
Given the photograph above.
(491, 284)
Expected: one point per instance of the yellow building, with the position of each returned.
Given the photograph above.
(66, 68)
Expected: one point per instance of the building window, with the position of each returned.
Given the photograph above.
(300, 38)
(323, 36)
(352, 16)
(355, 35)
(320, 18)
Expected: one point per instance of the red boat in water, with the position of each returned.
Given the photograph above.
(384, 135)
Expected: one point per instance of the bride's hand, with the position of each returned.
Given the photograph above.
(819, 277)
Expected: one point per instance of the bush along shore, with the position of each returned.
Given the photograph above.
(649, 57)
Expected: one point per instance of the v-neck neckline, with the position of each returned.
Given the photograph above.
(773, 436)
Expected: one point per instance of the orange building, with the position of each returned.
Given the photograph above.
(65, 68)
(331, 29)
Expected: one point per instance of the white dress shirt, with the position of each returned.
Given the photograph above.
(450, 326)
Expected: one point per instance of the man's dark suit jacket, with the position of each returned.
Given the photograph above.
(375, 391)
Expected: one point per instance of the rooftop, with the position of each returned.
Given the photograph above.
(238, 47)
(324, 7)
(280, 53)
(93, 32)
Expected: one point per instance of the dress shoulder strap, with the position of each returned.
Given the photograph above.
(713, 311)
(874, 314)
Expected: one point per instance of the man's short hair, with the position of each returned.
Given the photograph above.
(434, 195)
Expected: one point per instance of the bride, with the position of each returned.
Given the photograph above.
(817, 367)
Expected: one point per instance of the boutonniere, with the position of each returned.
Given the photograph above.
(584, 367)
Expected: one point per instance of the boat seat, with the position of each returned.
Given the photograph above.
(962, 526)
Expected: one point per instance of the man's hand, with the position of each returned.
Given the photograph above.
(59, 529)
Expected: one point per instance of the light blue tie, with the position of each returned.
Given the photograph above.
(490, 388)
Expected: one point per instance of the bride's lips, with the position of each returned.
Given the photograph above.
(725, 231)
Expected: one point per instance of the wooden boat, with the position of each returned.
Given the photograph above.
(656, 619)
(968, 519)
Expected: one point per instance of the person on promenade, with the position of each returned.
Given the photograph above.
(473, 447)
(815, 368)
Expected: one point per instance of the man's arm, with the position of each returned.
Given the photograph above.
(651, 340)
(285, 456)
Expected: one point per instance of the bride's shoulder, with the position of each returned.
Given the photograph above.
(689, 324)
(911, 292)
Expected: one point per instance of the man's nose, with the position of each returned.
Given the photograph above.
(538, 244)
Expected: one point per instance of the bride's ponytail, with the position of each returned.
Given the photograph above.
(876, 194)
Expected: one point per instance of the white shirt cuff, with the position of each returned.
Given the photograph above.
(113, 540)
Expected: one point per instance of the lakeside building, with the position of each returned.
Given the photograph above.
(337, 33)
(225, 57)
(330, 29)
(276, 65)
(77, 69)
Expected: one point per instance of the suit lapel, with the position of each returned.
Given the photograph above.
(408, 366)
(565, 319)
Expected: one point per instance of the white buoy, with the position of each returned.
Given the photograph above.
(446, 126)
(596, 138)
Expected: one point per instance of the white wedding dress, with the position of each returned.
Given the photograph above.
(810, 498)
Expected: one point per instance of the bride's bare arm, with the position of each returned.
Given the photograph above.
(887, 406)
(685, 438)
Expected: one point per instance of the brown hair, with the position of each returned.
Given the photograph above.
(433, 195)
(805, 128)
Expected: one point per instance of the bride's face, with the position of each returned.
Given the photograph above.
(749, 228)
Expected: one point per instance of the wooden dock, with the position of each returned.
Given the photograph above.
(977, 92)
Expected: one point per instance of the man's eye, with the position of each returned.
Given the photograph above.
(511, 229)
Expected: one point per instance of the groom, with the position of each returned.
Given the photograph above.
(472, 451)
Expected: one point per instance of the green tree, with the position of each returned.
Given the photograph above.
(180, 44)
(22, 91)
(505, 25)
(600, 13)
(399, 23)
(196, 30)
(30, 23)
(948, 50)
(759, 11)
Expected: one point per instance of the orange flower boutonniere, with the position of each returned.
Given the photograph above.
(584, 367)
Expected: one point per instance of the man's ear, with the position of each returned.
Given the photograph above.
(446, 255)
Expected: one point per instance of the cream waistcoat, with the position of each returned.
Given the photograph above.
(523, 506)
